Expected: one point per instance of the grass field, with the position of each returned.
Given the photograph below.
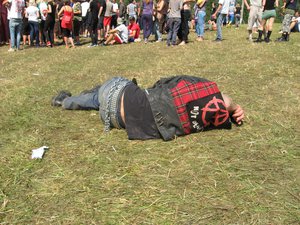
(248, 175)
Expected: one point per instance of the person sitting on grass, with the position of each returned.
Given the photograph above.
(118, 35)
(173, 106)
(134, 30)
(295, 24)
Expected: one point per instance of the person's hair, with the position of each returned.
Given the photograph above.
(238, 5)
(66, 2)
(147, 1)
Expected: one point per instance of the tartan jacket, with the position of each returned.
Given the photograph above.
(185, 104)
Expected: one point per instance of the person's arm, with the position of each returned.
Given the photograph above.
(276, 3)
(235, 110)
(132, 35)
(49, 10)
(217, 10)
(113, 31)
(100, 11)
(61, 11)
(247, 5)
(77, 12)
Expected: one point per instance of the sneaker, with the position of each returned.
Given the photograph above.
(200, 39)
(57, 100)
(146, 40)
(92, 45)
(11, 50)
(218, 40)
(182, 43)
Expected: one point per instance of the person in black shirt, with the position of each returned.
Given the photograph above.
(100, 19)
(174, 106)
(49, 23)
(269, 13)
(93, 23)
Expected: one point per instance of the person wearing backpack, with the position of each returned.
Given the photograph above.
(67, 22)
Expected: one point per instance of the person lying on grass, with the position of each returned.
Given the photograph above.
(173, 106)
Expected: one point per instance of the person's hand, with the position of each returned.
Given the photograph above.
(238, 115)
(248, 8)
(213, 16)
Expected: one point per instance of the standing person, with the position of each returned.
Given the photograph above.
(223, 8)
(114, 14)
(25, 27)
(107, 17)
(161, 17)
(147, 21)
(43, 13)
(290, 7)
(184, 29)
(84, 14)
(102, 10)
(77, 19)
(200, 14)
(237, 14)
(49, 23)
(174, 21)
(132, 9)
(66, 22)
(32, 12)
(15, 23)
(269, 13)
(4, 28)
(255, 14)
(93, 23)
(231, 12)
(122, 10)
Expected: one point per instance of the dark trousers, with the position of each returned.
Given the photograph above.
(184, 26)
(4, 29)
(49, 30)
(147, 25)
(93, 31)
(174, 25)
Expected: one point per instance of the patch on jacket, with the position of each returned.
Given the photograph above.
(200, 106)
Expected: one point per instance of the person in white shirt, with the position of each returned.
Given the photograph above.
(223, 8)
(15, 23)
(32, 13)
(118, 35)
(115, 12)
(43, 13)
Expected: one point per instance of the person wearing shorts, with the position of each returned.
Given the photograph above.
(173, 106)
(269, 13)
(107, 16)
(118, 35)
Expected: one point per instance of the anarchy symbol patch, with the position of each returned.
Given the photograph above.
(217, 108)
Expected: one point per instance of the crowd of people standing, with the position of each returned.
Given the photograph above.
(107, 22)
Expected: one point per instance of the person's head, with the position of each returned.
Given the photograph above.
(297, 13)
(32, 3)
(119, 21)
(131, 19)
(238, 5)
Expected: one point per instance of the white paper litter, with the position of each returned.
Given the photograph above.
(39, 152)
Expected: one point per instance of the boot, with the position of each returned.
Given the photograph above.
(283, 38)
(258, 40)
(267, 38)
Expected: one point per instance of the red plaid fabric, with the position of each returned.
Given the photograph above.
(186, 92)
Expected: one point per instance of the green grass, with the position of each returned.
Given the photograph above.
(248, 175)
